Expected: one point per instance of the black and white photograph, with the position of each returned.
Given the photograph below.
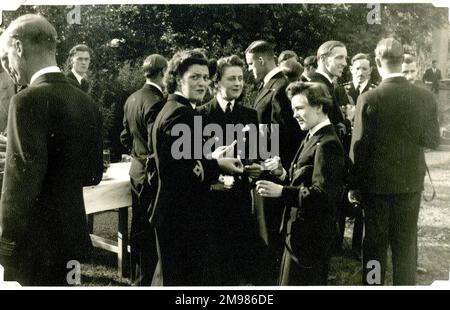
(232, 145)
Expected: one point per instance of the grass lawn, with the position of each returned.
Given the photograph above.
(434, 239)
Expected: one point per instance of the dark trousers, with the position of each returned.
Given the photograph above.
(234, 246)
(358, 226)
(294, 273)
(391, 220)
(269, 213)
(144, 255)
(181, 253)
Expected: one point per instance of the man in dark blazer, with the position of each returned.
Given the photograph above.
(361, 70)
(273, 108)
(184, 177)
(313, 188)
(140, 111)
(393, 123)
(79, 61)
(309, 68)
(54, 149)
(432, 77)
(331, 61)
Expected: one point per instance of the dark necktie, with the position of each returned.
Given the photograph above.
(228, 108)
(84, 85)
(358, 89)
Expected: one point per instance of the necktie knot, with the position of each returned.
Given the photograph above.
(84, 85)
(228, 108)
(307, 137)
(358, 88)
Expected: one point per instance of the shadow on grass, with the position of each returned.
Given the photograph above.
(102, 271)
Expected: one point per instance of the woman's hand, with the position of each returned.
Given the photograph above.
(269, 189)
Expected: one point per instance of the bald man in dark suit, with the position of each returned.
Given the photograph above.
(54, 149)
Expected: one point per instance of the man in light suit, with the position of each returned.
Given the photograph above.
(313, 186)
(432, 77)
(273, 108)
(54, 149)
(79, 61)
(140, 111)
(393, 123)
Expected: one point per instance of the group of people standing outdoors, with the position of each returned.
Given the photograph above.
(284, 216)
(281, 218)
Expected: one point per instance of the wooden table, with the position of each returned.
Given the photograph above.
(113, 193)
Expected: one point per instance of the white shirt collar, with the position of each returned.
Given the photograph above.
(193, 105)
(271, 74)
(325, 75)
(391, 75)
(79, 77)
(155, 85)
(50, 69)
(319, 126)
(306, 77)
(223, 103)
(363, 85)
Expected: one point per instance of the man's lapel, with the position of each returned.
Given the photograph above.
(266, 89)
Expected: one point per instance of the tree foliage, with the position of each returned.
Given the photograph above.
(122, 35)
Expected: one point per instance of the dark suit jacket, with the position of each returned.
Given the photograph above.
(83, 86)
(188, 176)
(180, 214)
(430, 76)
(393, 123)
(353, 94)
(338, 95)
(140, 111)
(54, 149)
(316, 183)
(273, 107)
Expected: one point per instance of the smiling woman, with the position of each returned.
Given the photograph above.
(179, 220)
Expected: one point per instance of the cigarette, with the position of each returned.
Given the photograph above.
(232, 144)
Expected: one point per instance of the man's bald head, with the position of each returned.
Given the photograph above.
(26, 46)
(34, 31)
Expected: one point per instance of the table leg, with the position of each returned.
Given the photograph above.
(123, 258)
(90, 222)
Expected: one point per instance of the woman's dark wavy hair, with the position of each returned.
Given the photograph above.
(179, 64)
(316, 93)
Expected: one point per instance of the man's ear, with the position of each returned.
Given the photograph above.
(19, 47)
(261, 60)
(378, 62)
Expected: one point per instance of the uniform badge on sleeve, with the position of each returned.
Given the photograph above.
(198, 170)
